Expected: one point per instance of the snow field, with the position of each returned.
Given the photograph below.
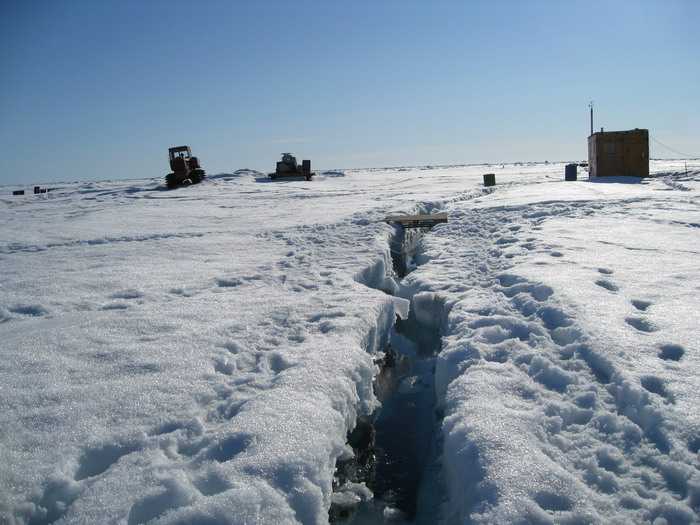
(235, 438)
(201, 355)
(188, 356)
(560, 405)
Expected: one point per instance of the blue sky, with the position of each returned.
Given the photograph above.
(100, 90)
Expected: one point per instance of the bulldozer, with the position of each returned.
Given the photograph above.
(289, 168)
(186, 168)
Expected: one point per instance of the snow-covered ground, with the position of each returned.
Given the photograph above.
(201, 355)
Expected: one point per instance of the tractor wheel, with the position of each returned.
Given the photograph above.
(197, 176)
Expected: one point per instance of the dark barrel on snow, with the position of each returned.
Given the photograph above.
(570, 172)
(18, 192)
(489, 179)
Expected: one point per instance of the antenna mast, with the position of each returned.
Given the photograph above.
(590, 105)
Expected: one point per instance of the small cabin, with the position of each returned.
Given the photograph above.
(613, 153)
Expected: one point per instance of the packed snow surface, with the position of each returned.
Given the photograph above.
(200, 355)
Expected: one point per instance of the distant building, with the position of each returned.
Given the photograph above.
(613, 153)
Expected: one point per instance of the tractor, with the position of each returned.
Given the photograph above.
(289, 168)
(186, 168)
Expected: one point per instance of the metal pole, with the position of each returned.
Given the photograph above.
(590, 105)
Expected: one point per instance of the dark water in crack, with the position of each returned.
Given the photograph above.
(395, 450)
(402, 431)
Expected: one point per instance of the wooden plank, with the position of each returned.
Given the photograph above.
(418, 221)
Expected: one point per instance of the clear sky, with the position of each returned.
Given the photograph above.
(100, 89)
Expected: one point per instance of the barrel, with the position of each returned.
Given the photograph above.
(489, 179)
(18, 192)
(570, 172)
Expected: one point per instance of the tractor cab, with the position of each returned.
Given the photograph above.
(289, 159)
(180, 151)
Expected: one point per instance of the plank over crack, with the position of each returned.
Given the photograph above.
(417, 221)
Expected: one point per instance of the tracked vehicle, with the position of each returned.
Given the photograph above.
(186, 168)
(288, 168)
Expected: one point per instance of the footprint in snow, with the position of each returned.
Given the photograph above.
(224, 366)
(228, 282)
(507, 279)
(607, 284)
(31, 310)
(228, 448)
(149, 507)
(115, 306)
(182, 292)
(641, 305)
(553, 317)
(671, 352)
(277, 362)
(332, 314)
(308, 285)
(58, 495)
(211, 484)
(233, 347)
(192, 426)
(127, 294)
(656, 385)
(641, 324)
(553, 502)
(95, 461)
(506, 240)
(297, 336)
